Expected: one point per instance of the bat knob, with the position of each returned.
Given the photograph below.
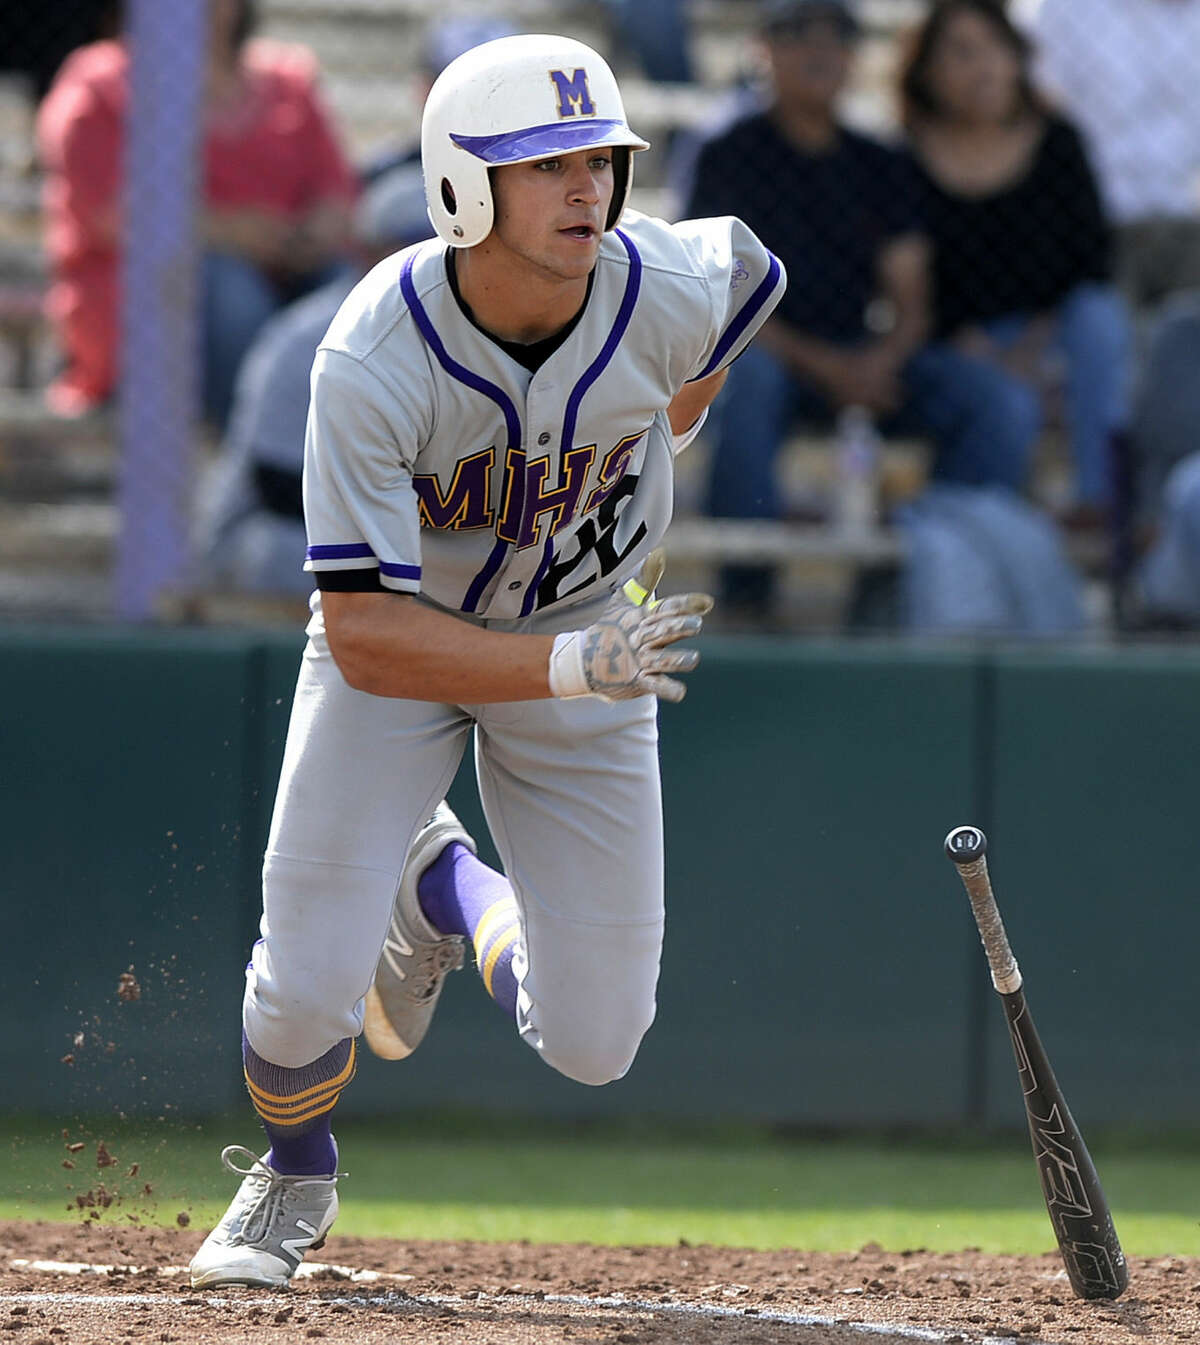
(964, 845)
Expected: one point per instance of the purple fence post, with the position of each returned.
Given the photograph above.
(159, 396)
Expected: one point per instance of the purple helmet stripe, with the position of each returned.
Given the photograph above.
(540, 142)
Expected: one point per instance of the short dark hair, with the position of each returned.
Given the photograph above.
(247, 22)
(917, 98)
(792, 16)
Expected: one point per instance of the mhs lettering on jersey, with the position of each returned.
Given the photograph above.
(420, 458)
(526, 497)
(532, 511)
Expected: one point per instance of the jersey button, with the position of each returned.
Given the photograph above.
(516, 583)
(544, 438)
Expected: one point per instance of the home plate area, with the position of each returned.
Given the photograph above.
(75, 1284)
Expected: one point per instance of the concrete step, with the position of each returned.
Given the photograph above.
(51, 595)
(44, 457)
(65, 536)
(25, 416)
(29, 474)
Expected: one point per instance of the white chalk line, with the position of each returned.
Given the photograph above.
(403, 1299)
(307, 1270)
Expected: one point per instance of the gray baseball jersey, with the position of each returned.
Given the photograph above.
(434, 455)
(523, 499)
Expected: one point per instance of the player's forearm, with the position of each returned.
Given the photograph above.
(905, 286)
(391, 645)
(908, 333)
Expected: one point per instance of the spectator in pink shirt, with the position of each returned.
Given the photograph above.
(277, 197)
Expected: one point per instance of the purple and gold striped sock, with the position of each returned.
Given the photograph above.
(295, 1106)
(461, 895)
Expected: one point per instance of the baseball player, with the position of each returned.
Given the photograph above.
(488, 471)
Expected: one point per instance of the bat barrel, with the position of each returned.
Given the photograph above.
(1075, 1201)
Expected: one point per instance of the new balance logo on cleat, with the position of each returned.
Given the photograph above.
(296, 1247)
(273, 1220)
(416, 957)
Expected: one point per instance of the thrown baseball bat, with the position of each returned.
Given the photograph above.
(1079, 1212)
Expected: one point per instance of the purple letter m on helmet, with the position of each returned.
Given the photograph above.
(573, 96)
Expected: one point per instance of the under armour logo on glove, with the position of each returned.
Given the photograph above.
(624, 652)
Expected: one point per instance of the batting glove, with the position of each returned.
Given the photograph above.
(625, 652)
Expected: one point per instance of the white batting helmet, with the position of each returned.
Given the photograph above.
(516, 100)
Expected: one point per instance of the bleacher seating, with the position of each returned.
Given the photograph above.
(57, 476)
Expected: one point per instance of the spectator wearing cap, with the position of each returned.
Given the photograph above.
(278, 196)
(251, 526)
(1022, 257)
(838, 207)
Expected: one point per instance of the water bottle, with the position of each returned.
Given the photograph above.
(857, 452)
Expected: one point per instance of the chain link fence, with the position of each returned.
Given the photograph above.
(988, 212)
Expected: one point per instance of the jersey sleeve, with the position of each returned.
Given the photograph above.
(744, 283)
(360, 509)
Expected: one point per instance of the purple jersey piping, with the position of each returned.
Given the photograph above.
(749, 309)
(629, 300)
(342, 551)
(478, 383)
(399, 571)
(539, 575)
(485, 576)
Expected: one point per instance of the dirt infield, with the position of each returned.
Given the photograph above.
(521, 1294)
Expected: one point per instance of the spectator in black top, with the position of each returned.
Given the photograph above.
(838, 208)
(1021, 246)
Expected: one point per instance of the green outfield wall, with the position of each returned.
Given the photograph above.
(820, 968)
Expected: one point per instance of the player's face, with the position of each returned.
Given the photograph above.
(975, 74)
(551, 213)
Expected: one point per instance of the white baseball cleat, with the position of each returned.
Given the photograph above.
(273, 1220)
(416, 957)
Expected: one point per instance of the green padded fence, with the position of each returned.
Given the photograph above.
(820, 968)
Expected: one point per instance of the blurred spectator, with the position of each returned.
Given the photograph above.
(838, 208)
(277, 190)
(1129, 75)
(1168, 580)
(981, 558)
(252, 522)
(1021, 247)
(444, 40)
(1167, 431)
(656, 32)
